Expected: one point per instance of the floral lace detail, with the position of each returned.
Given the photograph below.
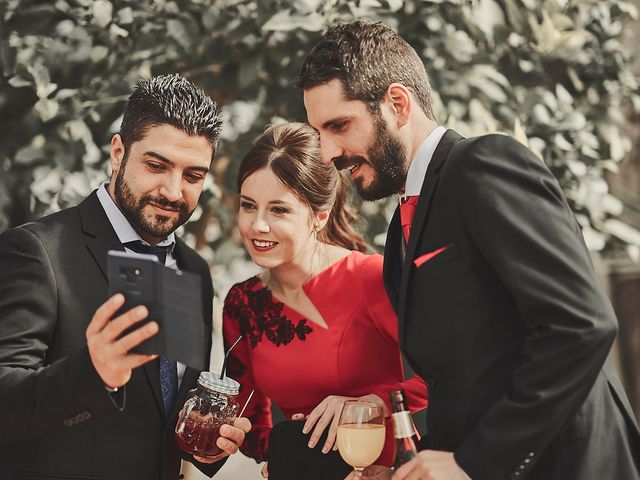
(259, 313)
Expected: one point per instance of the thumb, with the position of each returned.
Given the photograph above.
(265, 470)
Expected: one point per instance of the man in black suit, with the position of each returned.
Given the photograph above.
(499, 306)
(73, 404)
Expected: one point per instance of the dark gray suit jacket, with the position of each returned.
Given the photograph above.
(56, 419)
(508, 323)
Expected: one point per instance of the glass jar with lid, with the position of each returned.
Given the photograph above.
(209, 406)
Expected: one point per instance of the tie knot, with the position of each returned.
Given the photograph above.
(410, 200)
(407, 210)
(157, 250)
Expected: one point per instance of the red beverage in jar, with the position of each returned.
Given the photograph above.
(209, 406)
(199, 438)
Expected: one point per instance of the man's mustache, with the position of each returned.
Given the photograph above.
(345, 162)
(180, 206)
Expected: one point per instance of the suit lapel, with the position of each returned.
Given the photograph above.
(421, 217)
(99, 234)
(392, 267)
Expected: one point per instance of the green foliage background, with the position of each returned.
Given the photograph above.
(551, 72)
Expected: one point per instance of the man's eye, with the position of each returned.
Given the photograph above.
(155, 166)
(338, 127)
(194, 178)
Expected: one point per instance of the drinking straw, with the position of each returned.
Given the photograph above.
(246, 403)
(224, 363)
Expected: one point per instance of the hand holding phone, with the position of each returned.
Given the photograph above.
(109, 345)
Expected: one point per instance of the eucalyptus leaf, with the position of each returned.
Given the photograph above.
(102, 12)
(488, 14)
(622, 231)
(573, 121)
(177, 30)
(125, 16)
(117, 31)
(281, 21)
(28, 155)
(19, 82)
(98, 53)
(460, 46)
(46, 109)
(47, 182)
(286, 21)
(395, 5)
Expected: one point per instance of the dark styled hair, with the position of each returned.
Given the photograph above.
(292, 152)
(367, 57)
(171, 100)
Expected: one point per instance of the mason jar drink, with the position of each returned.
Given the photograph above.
(209, 406)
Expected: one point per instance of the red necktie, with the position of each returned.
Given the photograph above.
(407, 209)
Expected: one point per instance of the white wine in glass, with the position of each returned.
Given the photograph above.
(361, 434)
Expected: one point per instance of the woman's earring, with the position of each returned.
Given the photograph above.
(314, 232)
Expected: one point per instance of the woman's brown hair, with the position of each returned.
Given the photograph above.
(292, 152)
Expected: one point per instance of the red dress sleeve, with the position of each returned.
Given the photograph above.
(258, 411)
(384, 317)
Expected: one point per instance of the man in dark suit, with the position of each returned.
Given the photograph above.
(499, 306)
(73, 404)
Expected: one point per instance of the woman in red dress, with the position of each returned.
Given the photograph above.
(317, 326)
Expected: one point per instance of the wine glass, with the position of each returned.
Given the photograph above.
(361, 433)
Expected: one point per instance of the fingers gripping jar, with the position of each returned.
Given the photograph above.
(209, 406)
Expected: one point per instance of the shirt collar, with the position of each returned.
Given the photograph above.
(420, 163)
(119, 222)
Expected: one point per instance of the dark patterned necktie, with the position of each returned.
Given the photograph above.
(407, 210)
(168, 368)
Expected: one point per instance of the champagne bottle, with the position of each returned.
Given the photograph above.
(403, 430)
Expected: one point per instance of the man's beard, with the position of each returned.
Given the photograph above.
(388, 158)
(132, 207)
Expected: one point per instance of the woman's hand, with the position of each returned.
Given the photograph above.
(265, 470)
(327, 414)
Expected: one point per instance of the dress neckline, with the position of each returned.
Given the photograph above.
(307, 286)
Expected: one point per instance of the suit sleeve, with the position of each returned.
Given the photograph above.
(36, 397)
(384, 317)
(258, 409)
(521, 224)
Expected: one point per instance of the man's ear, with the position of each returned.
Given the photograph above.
(398, 101)
(116, 154)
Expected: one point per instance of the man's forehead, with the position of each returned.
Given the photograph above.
(327, 102)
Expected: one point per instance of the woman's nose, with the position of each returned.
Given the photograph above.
(260, 225)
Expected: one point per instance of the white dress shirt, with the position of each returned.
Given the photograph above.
(420, 163)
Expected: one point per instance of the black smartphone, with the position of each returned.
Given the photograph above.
(137, 277)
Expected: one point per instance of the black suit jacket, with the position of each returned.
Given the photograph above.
(508, 322)
(56, 418)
